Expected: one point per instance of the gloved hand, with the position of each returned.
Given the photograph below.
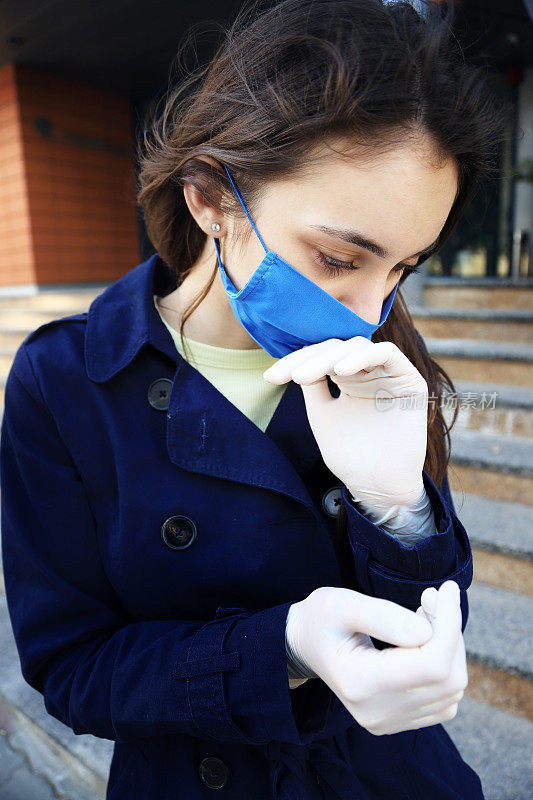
(373, 437)
(414, 685)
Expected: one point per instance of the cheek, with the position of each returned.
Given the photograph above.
(241, 264)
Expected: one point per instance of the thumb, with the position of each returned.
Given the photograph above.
(428, 600)
(316, 394)
(383, 619)
(447, 621)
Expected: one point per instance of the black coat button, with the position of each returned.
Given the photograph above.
(178, 532)
(332, 500)
(159, 393)
(214, 772)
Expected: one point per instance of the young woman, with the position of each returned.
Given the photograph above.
(235, 553)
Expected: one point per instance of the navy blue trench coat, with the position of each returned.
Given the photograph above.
(153, 540)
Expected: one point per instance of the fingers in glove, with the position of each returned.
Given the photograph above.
(322, 356)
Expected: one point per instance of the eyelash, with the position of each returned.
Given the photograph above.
(335, 267)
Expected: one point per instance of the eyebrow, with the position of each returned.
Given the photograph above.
(355, 237)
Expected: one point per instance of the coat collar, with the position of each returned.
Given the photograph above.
(123, 318)
(206, 433)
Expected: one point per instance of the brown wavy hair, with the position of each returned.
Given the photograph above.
(301, 73)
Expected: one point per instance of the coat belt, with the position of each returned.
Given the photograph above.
(289, 764)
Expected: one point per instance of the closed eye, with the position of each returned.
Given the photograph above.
(336, 267)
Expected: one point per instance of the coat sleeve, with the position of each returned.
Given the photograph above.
(99, 671)
(386, 568)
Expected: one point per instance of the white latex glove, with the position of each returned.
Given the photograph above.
(414, 685)
(408, 525)
(375, 446)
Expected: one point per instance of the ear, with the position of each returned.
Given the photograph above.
(203, 212)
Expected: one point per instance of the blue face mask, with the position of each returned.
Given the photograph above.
(284, 311)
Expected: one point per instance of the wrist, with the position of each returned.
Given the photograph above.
(295, 666)
(388, 505)
(408, 524)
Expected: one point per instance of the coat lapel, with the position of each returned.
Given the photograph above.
(206, 433)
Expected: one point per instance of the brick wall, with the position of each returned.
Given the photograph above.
(67, 188)
(16, 257)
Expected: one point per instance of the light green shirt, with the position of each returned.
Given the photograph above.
(237, 374)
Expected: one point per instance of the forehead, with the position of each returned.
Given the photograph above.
(401, 197)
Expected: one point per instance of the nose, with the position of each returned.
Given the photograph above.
(368, 304)
(369, 316)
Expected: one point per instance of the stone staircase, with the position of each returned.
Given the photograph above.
(483, 336)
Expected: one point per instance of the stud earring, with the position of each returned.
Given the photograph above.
(215, 226)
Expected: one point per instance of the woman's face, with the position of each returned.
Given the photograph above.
(348, 227)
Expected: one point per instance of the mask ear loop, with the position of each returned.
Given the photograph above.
(245, 210)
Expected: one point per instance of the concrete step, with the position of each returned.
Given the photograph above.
(13, 336)
(496, 526)
(501, 633)
(19, 320)
(468, 293)
(17, 778)
(501, 536)
(491, 465)
(76, 765)
(7, 355)
(498, 640)
(497, 745)
(511, 325)
(68, 299)
(491, 408)
(475, 360)
(493, 451)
